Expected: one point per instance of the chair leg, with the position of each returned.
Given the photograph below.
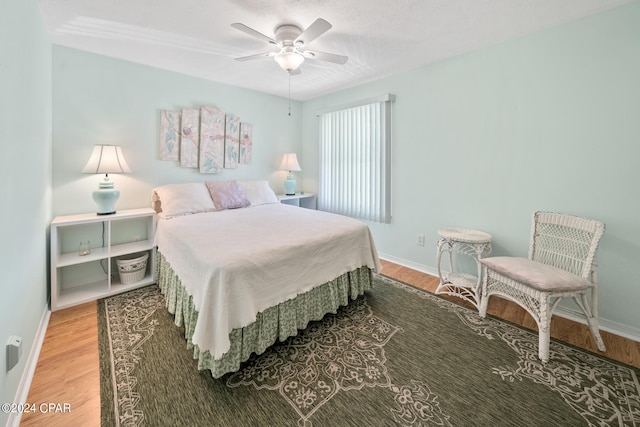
(484, 298)
(544, 338)
(484, 302)
(544, 333)
(593, 325)
(592, 320)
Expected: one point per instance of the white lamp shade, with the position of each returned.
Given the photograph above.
(290, 163)
(106, 159)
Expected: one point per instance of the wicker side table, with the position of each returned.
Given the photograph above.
(473, 243)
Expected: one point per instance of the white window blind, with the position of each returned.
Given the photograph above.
(355, 159)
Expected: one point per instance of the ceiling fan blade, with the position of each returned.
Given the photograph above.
(315, 30)
(252, 32)
(256, 56)
(323, 56)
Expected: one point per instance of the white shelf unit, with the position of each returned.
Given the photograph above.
(306, 200)
(76, 278)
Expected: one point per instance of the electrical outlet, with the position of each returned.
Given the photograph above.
(14, 351)
(420, 239)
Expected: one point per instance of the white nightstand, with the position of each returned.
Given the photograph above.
(79, 278)
(306, 200)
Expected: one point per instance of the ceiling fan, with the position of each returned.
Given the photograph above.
(291, 42)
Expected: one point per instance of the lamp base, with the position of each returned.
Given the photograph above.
(290, 185)
(106, 197)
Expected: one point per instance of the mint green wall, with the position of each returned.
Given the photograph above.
(102, 100)
(549, 121)
(25, 190)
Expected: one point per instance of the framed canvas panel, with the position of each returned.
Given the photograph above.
(246, 143)
(212, 127)
(231, 141)
(169, 135)
(189, 138)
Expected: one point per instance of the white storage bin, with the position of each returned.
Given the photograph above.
(132, 270)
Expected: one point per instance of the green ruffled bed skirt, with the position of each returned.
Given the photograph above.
(279, 322)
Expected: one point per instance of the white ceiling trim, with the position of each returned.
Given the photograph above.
(83, 26)
(380, 37)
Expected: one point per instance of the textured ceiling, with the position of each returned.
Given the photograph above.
(380, 37)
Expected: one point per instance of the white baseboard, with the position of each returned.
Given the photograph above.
(409, 264)
(626, 331)
(615, 328)
(27, 375)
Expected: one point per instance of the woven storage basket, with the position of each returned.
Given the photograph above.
(132, 270)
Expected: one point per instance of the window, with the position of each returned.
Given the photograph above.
(355, 159)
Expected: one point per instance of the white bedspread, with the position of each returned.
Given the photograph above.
(237, 263)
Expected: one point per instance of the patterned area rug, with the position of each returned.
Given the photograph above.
(396, 356)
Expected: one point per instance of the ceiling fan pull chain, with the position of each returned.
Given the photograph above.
(289, 92)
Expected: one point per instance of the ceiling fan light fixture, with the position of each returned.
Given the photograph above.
(289, 60)
(291, 39)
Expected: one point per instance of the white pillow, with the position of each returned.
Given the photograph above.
(183, 199)
(258, 192)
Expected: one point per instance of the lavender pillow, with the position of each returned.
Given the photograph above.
(227, 195)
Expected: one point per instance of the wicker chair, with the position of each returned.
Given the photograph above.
(561, 264)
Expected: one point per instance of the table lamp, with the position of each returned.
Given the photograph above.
(106, 159)
(290, 163)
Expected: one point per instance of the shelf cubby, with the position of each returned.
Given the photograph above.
(77, 278)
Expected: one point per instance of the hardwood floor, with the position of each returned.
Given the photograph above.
(68, 370)
(68, 366)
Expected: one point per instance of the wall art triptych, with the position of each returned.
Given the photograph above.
(205, 138)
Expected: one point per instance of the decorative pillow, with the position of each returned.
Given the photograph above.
(182, 199)
(227, 195)
(539, 276)
(258, 192)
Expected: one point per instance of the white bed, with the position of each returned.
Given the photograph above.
(238, 278)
